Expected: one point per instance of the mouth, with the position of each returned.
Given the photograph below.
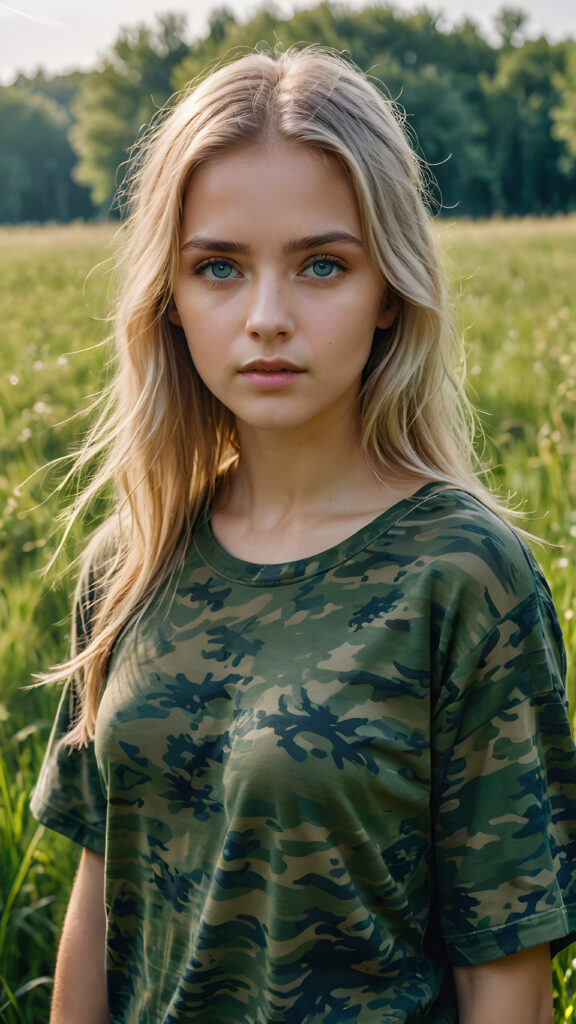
(271, 366)
(271, 374)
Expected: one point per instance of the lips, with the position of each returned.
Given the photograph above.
(275, 374)
(271, 366)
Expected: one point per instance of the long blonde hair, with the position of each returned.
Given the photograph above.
(163, 440)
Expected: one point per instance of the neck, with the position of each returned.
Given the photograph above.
(292, 495)
(288, 475)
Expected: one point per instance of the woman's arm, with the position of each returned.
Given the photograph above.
(516, 989)
(80, 981)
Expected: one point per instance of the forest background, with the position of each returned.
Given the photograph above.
(497, 122)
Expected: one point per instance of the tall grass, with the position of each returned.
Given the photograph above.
(514, 284)
(49, 307)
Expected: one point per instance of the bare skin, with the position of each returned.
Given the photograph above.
(261, 517)
(80, 983)
(514, 990)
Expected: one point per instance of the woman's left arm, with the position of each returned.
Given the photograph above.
(515, 989)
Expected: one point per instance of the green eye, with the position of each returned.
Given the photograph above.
(221, 270)
(323, 267)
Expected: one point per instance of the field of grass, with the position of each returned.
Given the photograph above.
(514, 287)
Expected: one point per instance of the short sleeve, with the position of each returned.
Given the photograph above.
(69, 796)
(504, 793)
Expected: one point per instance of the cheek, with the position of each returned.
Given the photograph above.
(212, 325)
(354, 332)
(205, 331)
(206, 358)
(208, 371)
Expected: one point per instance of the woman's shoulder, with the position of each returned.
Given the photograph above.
(451, 509)
(450, 535)
(447, 519)
(486, 594)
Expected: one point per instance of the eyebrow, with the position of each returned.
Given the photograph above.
(297, 245)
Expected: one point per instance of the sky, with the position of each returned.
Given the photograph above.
(63, 35)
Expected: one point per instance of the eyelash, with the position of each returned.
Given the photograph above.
(320, 258)
(211, 262)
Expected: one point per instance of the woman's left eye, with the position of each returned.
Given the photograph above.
(323, 267)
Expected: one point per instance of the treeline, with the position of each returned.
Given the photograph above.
(496, 122)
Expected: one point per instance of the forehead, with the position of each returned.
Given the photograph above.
(277, 182)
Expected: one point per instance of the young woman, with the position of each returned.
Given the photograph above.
(314, 741)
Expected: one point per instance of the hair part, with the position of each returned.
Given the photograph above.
(163, 439)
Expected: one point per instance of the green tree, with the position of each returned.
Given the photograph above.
(60, 88)
(564, 113)
(519, 104)
(510, 23)
(115, 102)
(36, 160)
(220, 23)
(449, 134)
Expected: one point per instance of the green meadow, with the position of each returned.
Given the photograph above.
(514, 288)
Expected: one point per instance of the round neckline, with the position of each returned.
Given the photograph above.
(230, 567)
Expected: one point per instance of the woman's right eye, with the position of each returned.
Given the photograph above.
(216, 270)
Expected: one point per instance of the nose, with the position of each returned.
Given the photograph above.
(269, 314)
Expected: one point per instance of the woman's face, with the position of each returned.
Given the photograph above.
(275, 292)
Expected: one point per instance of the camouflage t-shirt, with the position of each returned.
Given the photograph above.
(319, 783)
